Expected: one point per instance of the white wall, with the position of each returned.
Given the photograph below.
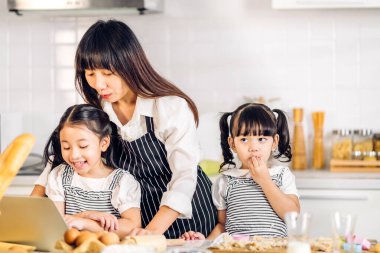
(215, 50)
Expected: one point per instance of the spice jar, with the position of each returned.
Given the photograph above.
(363, 140)
(342, 144)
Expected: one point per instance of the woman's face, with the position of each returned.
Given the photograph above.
(110, 86)
(82, 149)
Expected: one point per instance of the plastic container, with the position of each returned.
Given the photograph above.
(342, 144)
(363, 140)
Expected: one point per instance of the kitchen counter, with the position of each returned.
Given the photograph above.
(308, 179)
(324, 179)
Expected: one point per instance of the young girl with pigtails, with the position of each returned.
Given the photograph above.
(252, 199)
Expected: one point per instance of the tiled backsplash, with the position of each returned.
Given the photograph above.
(218, 51)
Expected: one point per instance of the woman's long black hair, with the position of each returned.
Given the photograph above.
(254, 119)
(95, 119)
(112, 45)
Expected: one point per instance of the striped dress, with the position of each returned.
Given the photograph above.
(78, 200)
(146, 159)
(248, 210)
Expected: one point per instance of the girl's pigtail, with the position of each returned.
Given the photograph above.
(52, 152)
(284, 148)
(224, 134)
(112, 155)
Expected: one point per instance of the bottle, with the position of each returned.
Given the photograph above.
(318, 152)
(342, 144)
(299, 161)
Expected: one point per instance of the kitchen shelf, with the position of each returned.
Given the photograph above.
(354, 166)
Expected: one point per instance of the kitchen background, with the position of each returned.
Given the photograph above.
(221, 52)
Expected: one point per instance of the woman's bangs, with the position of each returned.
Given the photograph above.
(96, 58)
(255, 122)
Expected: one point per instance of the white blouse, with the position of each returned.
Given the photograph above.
(174, 126)
(126, 195)
(219, 187)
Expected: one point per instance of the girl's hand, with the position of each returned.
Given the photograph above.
(258, 169)
(75, 222)
(107, 221)
(191, 235)
(142, 231)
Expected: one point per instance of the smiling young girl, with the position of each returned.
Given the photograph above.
(253, 198)
(84, 184)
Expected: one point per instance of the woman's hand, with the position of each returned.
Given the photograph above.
(191, 235)
(259, 170)
(107, 221)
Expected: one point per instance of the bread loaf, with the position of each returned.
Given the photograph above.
(13, 158)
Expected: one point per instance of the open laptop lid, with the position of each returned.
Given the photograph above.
(31, 221)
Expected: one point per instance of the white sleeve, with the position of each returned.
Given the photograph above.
(218, 192)
(176, 126)
(43, 178)
(54, 187)
(289, 183)
(127, 194)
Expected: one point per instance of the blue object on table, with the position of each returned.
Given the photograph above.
(358, 248)
(346, 246)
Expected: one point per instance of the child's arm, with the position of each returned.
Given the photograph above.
(280, 202)
(38, 191)
(98, 221)
(218, 229)
(129, 220)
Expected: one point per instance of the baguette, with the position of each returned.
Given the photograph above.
(13, 158)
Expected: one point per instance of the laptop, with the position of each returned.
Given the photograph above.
(33, 221)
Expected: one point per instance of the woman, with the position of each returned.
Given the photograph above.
(157, 122)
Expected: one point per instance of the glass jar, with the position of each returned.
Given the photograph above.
(342, 144)
(369, 156)
(376, 142)
(363, 140)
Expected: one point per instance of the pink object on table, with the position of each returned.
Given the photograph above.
(240, 237)
(364, 242)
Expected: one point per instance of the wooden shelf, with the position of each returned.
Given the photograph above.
(354, 166)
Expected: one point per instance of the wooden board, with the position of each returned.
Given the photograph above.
(354, 166)
(245, 251)
(270, 251)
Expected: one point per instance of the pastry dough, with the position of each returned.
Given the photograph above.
(156, 241)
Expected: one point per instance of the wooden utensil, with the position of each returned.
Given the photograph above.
(318, 153)
(13, 158)
(299, 161)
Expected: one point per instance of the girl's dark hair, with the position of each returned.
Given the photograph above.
(254, 119)
(94, 119)
(113, 46)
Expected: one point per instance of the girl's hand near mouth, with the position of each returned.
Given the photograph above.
(259, 170)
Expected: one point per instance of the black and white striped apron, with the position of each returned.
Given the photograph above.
(248, 209)
(146, 159)
(78, 200)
